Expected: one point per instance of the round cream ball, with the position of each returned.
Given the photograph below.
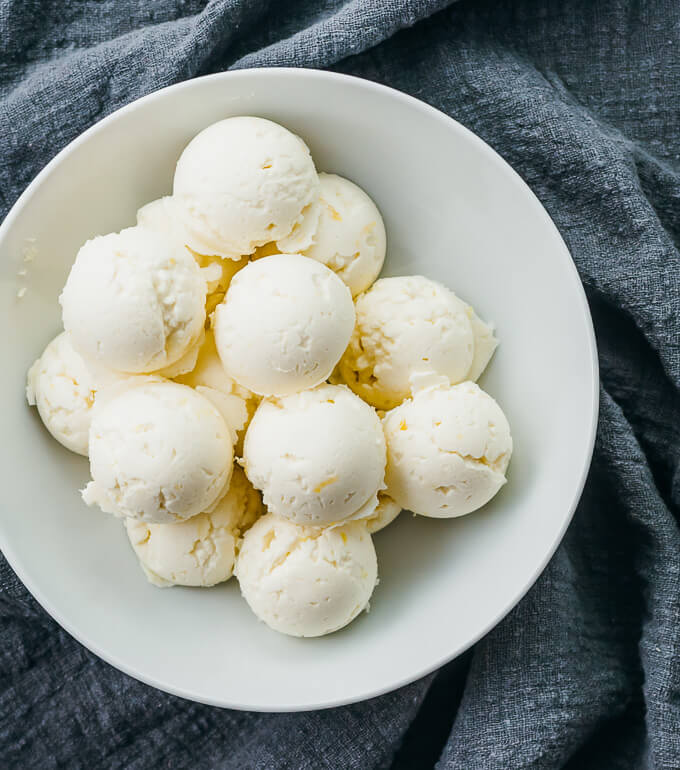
(344, 231)
(241, 183)
(200, 551)
(448, 449)
(283, 325)
(306, 582)
(159, 452)
(63, 385)
(318, 457)
(407, 329)
(134, 301)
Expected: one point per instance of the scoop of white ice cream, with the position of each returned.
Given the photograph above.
(63, 385)
(317, 456)
(241, 183)
(134, 301)
(200, 551)
(447, 450)
(283, 325)
(163, 216)
(159, 452)
(306, 582)
(406, 328)
(344, 231)
(386, 512)
(237, 404)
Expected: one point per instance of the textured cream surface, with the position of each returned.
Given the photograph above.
(134, 301)
(317, 456)
(385, 513)
(184, 364)
(63, 385)
(163, 216)
(345, 232)
(301, 236)
(448, 449)
(241, 183)
(202, 550)
(283, 325)
(406, 328)
(159, 452)
(306, 581)
(237, 404)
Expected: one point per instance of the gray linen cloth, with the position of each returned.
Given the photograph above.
(582, 97)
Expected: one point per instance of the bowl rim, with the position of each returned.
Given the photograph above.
(503, 167)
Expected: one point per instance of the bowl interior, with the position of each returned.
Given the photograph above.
(454, 211)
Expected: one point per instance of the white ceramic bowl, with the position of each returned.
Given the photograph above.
(454, 211)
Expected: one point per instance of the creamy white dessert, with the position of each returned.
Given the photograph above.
(134, 301)
(241, 183)
(344, 231)
(243, 315)
(159, 452)
(385, 513)
(283, 325)
(186, 363)
(163, 216)
(202, 550)
(63, 385)
(208, 377)
(448, 449)
(306, 582)
(318, 457)
(406, 328)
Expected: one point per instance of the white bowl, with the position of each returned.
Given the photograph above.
(454, 211)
